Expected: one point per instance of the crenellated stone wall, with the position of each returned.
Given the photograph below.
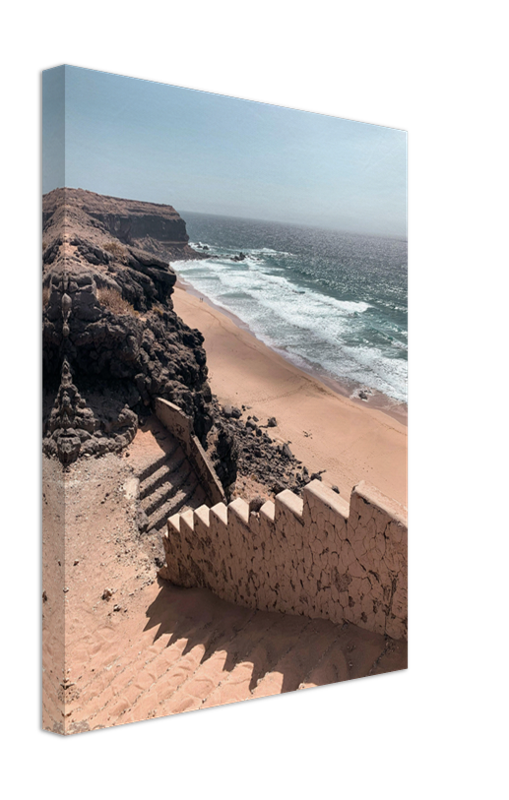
(317, 556)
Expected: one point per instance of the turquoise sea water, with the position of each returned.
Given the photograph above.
(334, 302)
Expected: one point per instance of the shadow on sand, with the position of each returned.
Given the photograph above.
(297, 647)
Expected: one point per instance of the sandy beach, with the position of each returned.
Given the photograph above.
(324, 429)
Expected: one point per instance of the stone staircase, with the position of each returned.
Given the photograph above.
(168, 484)
(153, 649)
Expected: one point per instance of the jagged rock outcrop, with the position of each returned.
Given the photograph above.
(74, 429)
(271, 463)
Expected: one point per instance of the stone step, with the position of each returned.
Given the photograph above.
(169, 485)
(186, 498)
(198, 498)
(158, 498)
(154, 462)
(156, 479)
(157, 521)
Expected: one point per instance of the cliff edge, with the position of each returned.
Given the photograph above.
(153, 227)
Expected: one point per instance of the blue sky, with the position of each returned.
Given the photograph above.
(220, 155)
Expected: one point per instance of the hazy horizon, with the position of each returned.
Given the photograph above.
(212, 154)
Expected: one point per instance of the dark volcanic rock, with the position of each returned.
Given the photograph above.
(232, 411)
(73, 428)
(255, 504)
(258, 457)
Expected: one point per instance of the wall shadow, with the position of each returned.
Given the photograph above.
(297, 647)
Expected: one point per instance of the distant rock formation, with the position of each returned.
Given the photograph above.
(152, 227)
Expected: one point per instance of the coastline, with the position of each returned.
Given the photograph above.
(376, 400)
(325, 428)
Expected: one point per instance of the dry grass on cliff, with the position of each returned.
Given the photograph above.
(113, 301)
(115, 249)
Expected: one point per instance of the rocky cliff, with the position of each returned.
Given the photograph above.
(153, 227)
(112, 341)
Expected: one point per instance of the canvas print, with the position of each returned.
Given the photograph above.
(224, 443)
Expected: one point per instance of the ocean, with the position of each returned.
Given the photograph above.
(332, 303)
